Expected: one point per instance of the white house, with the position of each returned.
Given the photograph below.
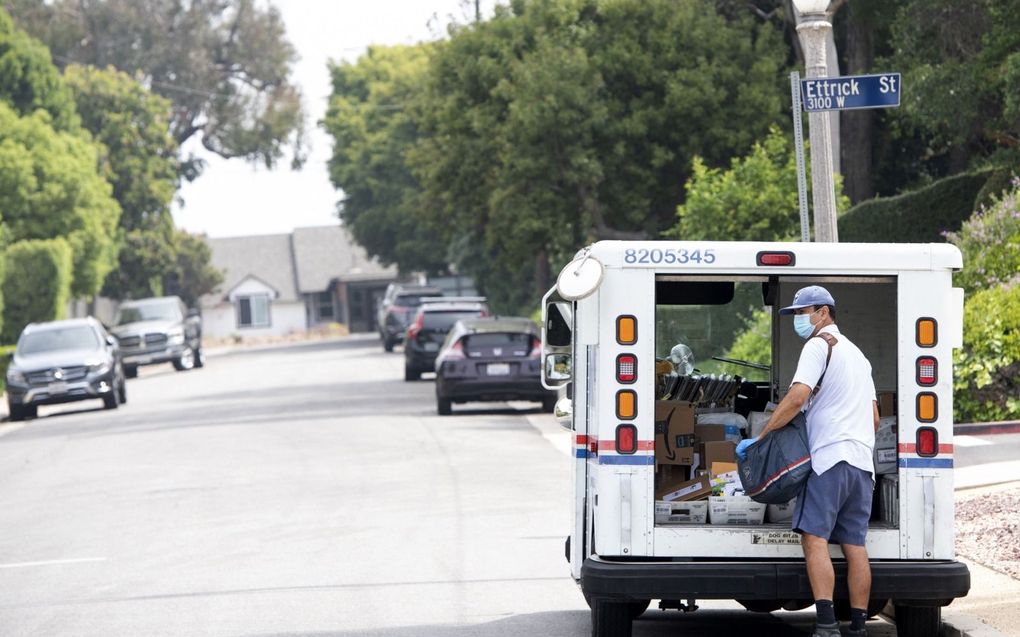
(285, 283)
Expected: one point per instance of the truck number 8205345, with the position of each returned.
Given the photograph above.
(678, 256)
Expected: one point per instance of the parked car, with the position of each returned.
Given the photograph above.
(62, 362)
(397, 310)
(432, 323)
(491, 359)
(158, 330)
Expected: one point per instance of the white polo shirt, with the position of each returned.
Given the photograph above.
(840, 417)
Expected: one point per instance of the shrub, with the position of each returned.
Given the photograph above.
(987, 369)
(36, 284)
(990, 242)
(921, 216)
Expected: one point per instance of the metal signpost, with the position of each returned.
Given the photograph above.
(798, 142)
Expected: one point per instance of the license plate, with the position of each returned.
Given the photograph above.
(498, 369)
(57, 388)
(431, 347)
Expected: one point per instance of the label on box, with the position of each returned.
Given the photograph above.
(885, 455)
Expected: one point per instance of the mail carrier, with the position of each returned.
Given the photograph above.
(669, 353)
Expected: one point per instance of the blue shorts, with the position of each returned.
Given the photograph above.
(836, 505)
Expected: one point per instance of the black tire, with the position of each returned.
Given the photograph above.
(918, 621)
(444, 406)
(122, 391)
(611, 619)
(411, 373)
(111, 400)
(199, 357)
(387, 344)
(549, 404)
(16, 413)
(637, 609)
(761, 605)
(185, 361)
(130, 371)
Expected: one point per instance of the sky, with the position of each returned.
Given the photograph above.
(234, 198)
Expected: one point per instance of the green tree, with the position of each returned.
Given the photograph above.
(194, 275)
(50, 187)
(372, 122)
(28, 79)
(224, 65)
(36, 284)
(987, 369)
(755, 200)
(754, 344)
(990, 242)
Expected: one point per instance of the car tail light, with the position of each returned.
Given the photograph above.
(626, 439)
(626, 404)
(927, 332)
(927, 442)
(536, 349)
(413, 331)
(777, 258)
(927, 371)
(456, 351)
(927, 407)
(626, 330)
(626, 368)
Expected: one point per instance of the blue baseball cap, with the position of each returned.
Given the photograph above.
(810, 296)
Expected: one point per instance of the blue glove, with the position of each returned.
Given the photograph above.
(742, 447)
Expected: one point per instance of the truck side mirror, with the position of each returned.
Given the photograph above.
(558, 332)
(558, 369)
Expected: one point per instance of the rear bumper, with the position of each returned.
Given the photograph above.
(152, 357)
(490, 389)
(920, 583)
(420, 359)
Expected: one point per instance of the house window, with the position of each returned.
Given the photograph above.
(253, 311)
(324, 306)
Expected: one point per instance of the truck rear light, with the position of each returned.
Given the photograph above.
(626, 439)
(626, 368)
(626, 404)
(927, 371)
(927, 332)
(927, 442)
(777, 258)
(927, 407)
(626, 330)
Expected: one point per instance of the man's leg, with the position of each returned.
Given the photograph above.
(819, 566)
(859, 577)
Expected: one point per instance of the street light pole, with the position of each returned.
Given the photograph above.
(813, 31)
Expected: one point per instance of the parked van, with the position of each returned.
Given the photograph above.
(642, 337)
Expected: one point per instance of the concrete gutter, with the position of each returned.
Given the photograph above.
(987, 428)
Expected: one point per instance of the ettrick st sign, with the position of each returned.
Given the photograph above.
(851, 92)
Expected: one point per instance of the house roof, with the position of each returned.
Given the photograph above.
(269, 258)
(326, 253)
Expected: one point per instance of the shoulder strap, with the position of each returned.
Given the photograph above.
(830, 340)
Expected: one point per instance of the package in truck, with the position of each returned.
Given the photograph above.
(681, 512)
(735, 509)
(778, 513)
(885, 446)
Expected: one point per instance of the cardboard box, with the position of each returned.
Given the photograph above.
(886, 403)
(723, 468)
(681, 512)
(680, 491)
(735, 510)
(717, 433)
(674, 433)
(717, 451)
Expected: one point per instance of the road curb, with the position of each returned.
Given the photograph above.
(987, 428)
(967, 626)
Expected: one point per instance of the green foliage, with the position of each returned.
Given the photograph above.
(373, 125)
(921, 216)
(28, 79)
(225, 65)
(36, 284)
(146, 257)
(990, 242)
(194, 274)
(754, 344)
(755, 200)
(987, 369)
(49, 187)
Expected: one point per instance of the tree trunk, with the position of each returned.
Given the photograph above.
(858, 179)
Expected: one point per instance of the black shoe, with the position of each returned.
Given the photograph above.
(861, 632)
(826, 630)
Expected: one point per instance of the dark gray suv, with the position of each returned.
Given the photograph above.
(62, 362)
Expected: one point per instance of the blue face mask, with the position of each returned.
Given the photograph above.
(802, 325)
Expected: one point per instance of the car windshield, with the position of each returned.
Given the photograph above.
(58, 339)
(148, 312)
(410, 300)
(444, 320)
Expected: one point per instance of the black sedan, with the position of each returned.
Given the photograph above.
(434, 320)
(491, 359)
(62, 362)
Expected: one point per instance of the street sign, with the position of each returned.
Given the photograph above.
(851, 92)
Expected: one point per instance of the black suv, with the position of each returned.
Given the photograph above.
(62, 362)
(432, 323)
(397, 310)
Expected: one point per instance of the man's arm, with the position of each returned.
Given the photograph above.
(788, 407)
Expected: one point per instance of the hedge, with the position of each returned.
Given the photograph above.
(920, 216)
(36, 284)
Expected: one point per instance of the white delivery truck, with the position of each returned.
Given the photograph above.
(633, 327)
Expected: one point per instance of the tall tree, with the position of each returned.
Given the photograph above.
(224, 64)
(194, 275)
(28, 79)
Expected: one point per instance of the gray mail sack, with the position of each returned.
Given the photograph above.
(778, 465)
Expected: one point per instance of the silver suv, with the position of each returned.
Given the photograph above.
(158, 330)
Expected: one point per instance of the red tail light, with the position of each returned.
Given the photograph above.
(536, 348)
(626, 368)
(414, 329)
(927, 442)
(776, 258)
(456, 351)
(626, 439)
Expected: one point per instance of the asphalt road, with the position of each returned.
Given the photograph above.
(304, 490)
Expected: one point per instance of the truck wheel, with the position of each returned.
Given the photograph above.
(185, 361)
(549, 404)
(611, 619)
(130, 371)
(918, 621)
(637, 609)
(16, 412)
(444, 406)
(122, 392)
(199, 357)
